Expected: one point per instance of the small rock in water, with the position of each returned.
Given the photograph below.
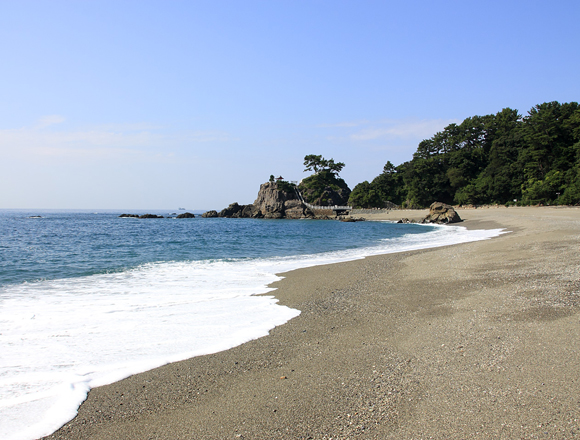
(186, 215)
(210, 214)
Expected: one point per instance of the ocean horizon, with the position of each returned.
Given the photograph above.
(88, 298)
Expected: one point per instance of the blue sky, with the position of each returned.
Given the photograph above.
(160, 104)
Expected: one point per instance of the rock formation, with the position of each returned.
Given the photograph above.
(353, 219)
(442, 214)
(210, 214)
(236, 210)
(186, 215)
(324, 189)
(274, 201)
(329, 196)
(141, 216)
(280, 200)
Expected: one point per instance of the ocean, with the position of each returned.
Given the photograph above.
(88, 298)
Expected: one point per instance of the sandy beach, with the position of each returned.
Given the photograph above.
(478, 340)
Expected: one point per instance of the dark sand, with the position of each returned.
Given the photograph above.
(479, 340)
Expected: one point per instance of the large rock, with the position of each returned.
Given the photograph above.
(236, 210)
(210, 214)
(270, 200)
(232, 211)
(140, 216)
(441, 213)
(274, 201)
(249, 211)
(186, 215)
(293, 209)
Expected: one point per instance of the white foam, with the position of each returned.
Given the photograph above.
(61, 338)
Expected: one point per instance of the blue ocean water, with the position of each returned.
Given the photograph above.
(89, 298)
(63, 244)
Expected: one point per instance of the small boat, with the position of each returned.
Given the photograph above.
(182, 209)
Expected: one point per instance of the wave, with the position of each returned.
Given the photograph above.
(60, 338)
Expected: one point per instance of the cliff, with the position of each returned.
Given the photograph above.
(280, 200)
(274, 200)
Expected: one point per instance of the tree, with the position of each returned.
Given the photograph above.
(389, 185)
(317, 163)
(389, 168)
(314, 163)
(333, 167)
(494, 158)
(364, 196)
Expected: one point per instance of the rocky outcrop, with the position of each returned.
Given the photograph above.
(140, 216)
(249, 211)
(441, 213)
(325, 188)
(295, 209)
(210, 214)
(352, 219)
(330, 196)
(231, 211)
(186, 215)
(236, 210)
(274, 201)
(271, 200)
(279, 200)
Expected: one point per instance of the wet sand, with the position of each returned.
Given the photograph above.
(478, 340)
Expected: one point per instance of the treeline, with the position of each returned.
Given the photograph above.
(503, 158)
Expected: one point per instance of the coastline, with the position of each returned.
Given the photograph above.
(472, 340)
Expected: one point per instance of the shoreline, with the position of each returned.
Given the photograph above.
(469, 340)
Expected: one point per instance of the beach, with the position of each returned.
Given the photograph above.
(476, 340)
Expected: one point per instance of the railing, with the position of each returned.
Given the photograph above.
(332, 207)
(318, 207)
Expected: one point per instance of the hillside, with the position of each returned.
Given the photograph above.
(324, 188)
(502, 158)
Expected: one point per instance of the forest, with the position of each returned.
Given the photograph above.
(502, 158)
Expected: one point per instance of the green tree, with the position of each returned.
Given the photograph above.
(317, 164)
(490, 159)
(389, 185)
(549, 133)
(314, 163)
(364, 196)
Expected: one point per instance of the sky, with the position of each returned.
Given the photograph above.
(166, 104)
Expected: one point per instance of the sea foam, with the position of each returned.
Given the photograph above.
(61, 338)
